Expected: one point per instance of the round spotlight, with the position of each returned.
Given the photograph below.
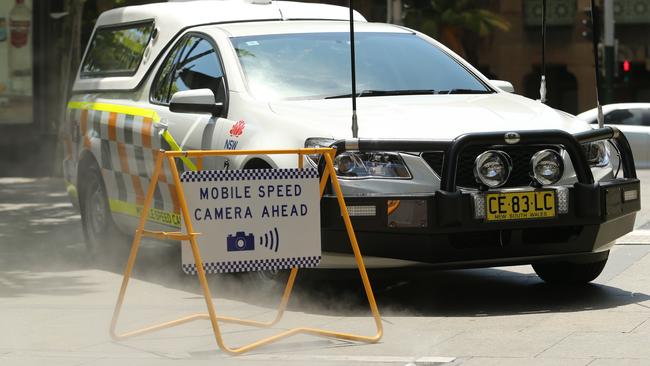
(547, 166)
(492, 168)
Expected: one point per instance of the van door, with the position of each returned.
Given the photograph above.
(193, 63)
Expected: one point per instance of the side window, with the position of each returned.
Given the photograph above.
(612, 118)
(116, 50)
(632, 117)
(193, 63)
(646, 117)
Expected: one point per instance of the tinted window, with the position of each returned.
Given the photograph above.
(192, 64)
(633, 117)
(316, 65)
(116, 50)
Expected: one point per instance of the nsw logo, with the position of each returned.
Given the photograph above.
(237, 129)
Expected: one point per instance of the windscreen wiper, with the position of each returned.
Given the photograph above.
(376, 93)
(464, 91)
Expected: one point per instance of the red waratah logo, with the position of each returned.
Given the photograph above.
(237, 129)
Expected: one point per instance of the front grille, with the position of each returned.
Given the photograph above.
(520, 175)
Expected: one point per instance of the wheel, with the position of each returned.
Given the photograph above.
(570, 272)
(100, 232)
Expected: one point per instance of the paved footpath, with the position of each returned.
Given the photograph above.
(55, 307)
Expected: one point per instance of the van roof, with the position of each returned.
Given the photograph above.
(171, 18)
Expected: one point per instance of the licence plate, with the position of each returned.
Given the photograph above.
(503, 206)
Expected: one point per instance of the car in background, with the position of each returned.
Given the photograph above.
(634, 120)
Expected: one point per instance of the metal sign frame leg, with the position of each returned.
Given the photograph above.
(328, 175)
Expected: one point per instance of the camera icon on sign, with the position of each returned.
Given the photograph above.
(240, 242)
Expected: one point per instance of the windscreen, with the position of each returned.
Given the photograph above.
(317, 65)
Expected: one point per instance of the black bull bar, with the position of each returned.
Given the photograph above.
(447, 230)
(452, 149)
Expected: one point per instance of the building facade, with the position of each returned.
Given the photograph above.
(516, 55)
(31, 40)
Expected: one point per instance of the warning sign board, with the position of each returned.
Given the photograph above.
(252, 220)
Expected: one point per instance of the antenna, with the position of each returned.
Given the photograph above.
(596, 37)
(355, 126)
(542, 84)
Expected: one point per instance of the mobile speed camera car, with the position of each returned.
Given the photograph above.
(448, 170)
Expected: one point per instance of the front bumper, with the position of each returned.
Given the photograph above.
(442, 228)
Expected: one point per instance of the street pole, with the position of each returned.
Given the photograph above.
(608, 50)
(389, 11)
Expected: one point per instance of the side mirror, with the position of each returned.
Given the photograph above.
(503, 85)
(195, 101)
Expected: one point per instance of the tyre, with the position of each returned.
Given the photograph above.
(571, 273)
(100, 232)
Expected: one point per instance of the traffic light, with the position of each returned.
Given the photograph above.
(626, 66)
(626, 70)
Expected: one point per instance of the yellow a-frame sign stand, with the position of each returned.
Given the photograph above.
(329, 174)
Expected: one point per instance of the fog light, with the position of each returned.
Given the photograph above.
(547, 167)
(492, 168)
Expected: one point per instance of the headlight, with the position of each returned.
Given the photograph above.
(315, 143)
(597, 153)
(492, 168)
(547, 166)
(370, 165)
(361, 165)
